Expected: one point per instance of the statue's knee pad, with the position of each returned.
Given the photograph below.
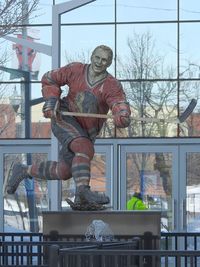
(82, 145)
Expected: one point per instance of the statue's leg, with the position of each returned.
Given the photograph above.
(83, 150)
(46, 170)
(74, 139)
(50, 170)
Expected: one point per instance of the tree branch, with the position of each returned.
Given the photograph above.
(12, 14)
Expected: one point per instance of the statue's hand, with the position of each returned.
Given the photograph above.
(122, 119)
(48, 114)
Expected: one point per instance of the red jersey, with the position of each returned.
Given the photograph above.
(83, 96)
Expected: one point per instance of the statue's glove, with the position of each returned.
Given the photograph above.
(122, 119)
(50, 107)
(121, 112)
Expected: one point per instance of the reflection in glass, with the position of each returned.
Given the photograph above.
(189, 9)
(191, 126)
(82, 41)
(151, 100)
(146, 51)
(189, 50)
(40, 127)
(108, 130)
(23, 210)
(97, 11)
(24, 64)
(43, 13)
(98, 173)
(97, 182)
(146, 10)
(12, 114)
(11, 111)
(18, 59)
(193, 191)
(150, 174)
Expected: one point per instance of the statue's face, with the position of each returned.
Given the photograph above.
(100, 61)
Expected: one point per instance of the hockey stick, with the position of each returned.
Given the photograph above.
(177, 120)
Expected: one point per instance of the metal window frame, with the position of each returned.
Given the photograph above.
(57, 11)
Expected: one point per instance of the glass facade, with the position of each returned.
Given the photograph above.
(155, 58)
(151, 175)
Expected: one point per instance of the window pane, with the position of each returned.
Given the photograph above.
(152, 101)
(23, 210)
(40, 127)
(11, 111)
(97, 11)
(36, 90)
(151, 175)
(146, 10)
(82, 41)
(108, 130)
(146, 51)
(18, 58)
(43, 13)
(98, 173)
(189, 9)
(13, 121)
(189, 48)
(190, 90)
(98, 179)
(192, 189)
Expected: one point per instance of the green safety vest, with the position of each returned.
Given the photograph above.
(136, 204)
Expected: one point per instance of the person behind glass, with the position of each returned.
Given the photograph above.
(91, 90)
(136, 202)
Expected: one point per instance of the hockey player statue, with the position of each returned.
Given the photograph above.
(91, 90)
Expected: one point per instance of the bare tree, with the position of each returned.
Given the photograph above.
(12, 14)
(148, 97)
(151, 98)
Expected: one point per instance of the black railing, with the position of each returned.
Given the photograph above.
(28, 249)
(126, 258)
(180, 240)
